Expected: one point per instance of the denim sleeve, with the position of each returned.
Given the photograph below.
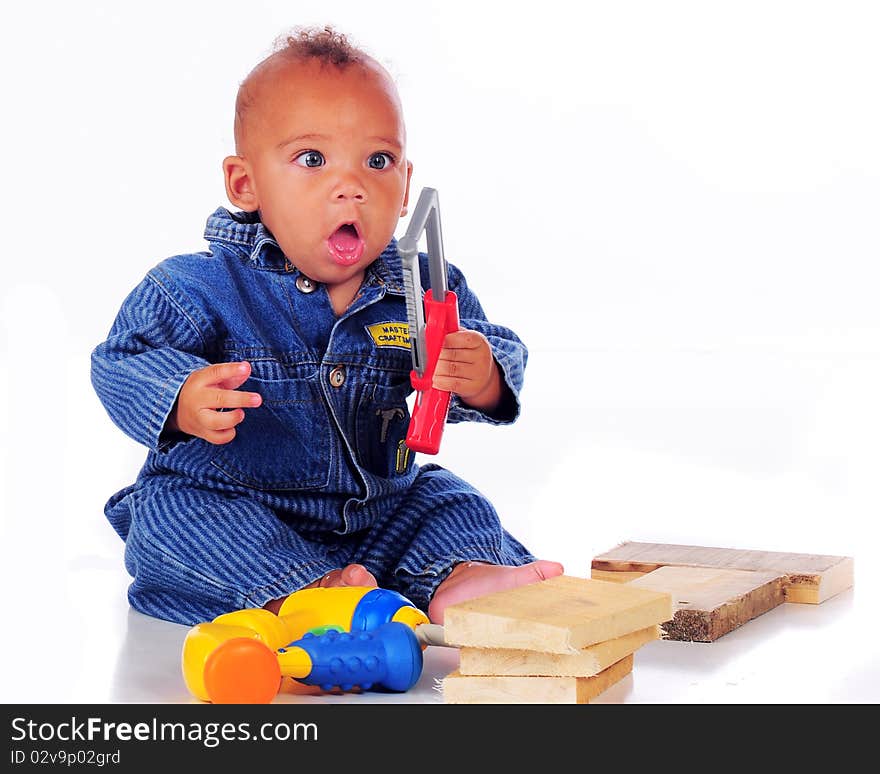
(508, 350)
(152, 347)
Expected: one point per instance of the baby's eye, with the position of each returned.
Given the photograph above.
(380, 160)
(310, 159)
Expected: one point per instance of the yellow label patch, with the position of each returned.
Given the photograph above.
(389, 334)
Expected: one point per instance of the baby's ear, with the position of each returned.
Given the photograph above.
(409, 170)
(239, 183)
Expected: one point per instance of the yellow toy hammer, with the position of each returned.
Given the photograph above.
(350, 636)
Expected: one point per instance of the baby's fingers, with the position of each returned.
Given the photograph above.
(219, 437)
(216, 398)
(464, 339)
(219, 426)
(225, 375)
(220, 420)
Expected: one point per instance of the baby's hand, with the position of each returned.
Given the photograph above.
(207, 390)
(467, 368)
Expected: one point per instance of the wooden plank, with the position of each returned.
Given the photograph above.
(810, 578)
(558, 615)
(509, 689)
(615, 577)
(709, 603)
(587, 662)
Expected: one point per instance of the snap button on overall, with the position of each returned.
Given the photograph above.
(304, 284)
(337, 376)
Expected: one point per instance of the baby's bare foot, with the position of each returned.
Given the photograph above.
(474, 579)
(350, 575)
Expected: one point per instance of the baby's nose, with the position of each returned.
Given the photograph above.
(350, 188)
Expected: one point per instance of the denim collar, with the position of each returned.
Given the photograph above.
(245, 234)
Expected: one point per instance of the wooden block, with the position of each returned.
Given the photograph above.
(587, 662)
(558, 615)
(506, 689)
(615, 577)
(810, 578)
(709, 603)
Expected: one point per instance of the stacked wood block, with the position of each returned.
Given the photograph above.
(563, 640)
(716, 590)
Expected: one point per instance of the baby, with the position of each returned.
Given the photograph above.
(273, 410)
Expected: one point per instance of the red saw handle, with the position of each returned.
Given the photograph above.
(432, 406)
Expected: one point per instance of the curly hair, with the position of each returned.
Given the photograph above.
(324, 45)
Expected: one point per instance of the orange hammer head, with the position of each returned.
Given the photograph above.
(242, 671)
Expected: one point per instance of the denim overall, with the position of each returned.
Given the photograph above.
(318, 476)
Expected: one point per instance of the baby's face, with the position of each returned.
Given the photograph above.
(326, 151)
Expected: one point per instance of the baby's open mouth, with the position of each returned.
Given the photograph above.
(345, 245)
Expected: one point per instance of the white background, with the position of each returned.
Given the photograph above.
(674, 204)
